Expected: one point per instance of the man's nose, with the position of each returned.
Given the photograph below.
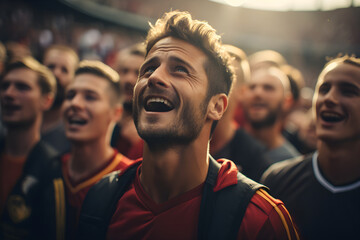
(10, 91)
(159, 77)
(331, 97)
(77, 101)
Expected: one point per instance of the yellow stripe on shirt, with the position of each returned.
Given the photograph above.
(60, 208)
(96, 178)
(268, 198)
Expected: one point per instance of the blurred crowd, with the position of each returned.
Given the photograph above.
(87, 125)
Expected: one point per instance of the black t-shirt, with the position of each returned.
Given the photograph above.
(247, 153)
(319, 209)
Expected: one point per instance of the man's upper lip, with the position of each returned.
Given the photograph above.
(71, 115)
(259, 104)
(330, 115)
(160, 94)
(161, 99)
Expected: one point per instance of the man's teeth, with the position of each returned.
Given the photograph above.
(327, 114)
(159, 100)
(331, 117)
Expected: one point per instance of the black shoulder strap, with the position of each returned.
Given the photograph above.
(100, 203)
(221, 212)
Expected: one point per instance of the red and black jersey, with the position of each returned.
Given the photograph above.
(138, 217)
(75, 192)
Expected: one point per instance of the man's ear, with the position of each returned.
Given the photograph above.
(217, 106)
(288, 103)
(47, 101)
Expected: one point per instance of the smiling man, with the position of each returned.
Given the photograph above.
(91, 108)
(178, 191)
(322, 190)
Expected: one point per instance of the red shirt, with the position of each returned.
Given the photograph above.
(138, 217)
(76, 192)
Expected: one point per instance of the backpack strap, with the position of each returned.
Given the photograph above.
(221, 212)
(100, 203)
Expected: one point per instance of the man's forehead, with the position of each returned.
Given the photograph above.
(56, 56)
(344, 70)
(22, 73)
(268, 77)
(171, 45)
(89, 81)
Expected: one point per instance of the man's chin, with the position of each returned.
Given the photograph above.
(18, 124)
(262, 123)
(165, 139)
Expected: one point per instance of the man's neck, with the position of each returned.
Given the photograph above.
(270, 136)
(19, 142)
(340, 162)
(52, 118)
(175, 170)
(87, 158)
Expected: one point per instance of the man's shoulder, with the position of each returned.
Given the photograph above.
(267, 218)
(45, 149)
(56, 138)
(40, 158)
(288, 167)
(263, 203)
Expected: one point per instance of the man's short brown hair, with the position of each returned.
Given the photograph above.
(102, 70)
(240, 63)
(180, 25)
(336, 61)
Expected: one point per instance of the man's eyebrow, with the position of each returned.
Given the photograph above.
(175, 59)
(149, 61)
(349, 85)
(181, 61)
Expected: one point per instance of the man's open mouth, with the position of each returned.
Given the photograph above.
(259, 105)
(157, 104)
(77, 121)
(331, 117)
(10, 107)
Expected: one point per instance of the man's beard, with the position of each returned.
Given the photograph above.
(268, 121)
(182, 131)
